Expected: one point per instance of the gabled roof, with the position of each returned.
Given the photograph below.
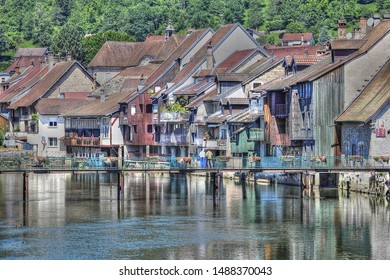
(232, 61)
(30, 52)
(127, 80)
(200, 56)
(126, 54)
(297, 36)
(195, 89)
(29, 78)
(96, 108)
(304, 59)
(170, 61)
(372, 99)
(44, 84)
(57, 106)
(344, 44)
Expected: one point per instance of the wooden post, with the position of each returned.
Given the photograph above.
(213, 175)
(302, 187)
(119, 185)
(25, 186)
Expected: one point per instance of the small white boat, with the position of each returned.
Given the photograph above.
(262, 181)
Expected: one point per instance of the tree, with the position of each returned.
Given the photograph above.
(295, 27)
(69, 40)
(255, 14)
(93, 43)
(324, 35)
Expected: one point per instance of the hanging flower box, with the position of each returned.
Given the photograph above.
(318, 159)
(254, 159)
(356, 158)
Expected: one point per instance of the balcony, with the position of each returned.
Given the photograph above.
(281, 110)
(173, 139)
(82, 141)
(256, 134)
(174, 117)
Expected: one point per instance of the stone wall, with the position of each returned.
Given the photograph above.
(365, 182)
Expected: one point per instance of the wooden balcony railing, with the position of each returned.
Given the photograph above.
(82, 141)
(256, 134)
(173, 139)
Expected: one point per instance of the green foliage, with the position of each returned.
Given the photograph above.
(295, 27)
(43, 22)
(69, 40)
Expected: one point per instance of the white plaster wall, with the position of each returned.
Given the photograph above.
(117, 135)
(55, 132)
(380, 146)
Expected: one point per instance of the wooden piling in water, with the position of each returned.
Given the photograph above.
(120, 189)
(25, 186)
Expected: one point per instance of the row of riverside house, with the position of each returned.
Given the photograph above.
(220, 90)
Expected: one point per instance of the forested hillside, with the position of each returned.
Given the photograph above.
(62, 24)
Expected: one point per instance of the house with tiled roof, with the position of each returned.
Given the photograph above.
(94, 129)
(365, 123)
(113, 57)
(294, 39)
(301, 110)
(24, 57)
(141, 130)
(46, 81)
(230, 49)
(51, 125)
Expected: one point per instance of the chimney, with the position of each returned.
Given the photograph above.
(342, 28)
(68, 56)
(17, 70)
(169, 31)
(302, 40)
(363, 25)
(50, 60)
(209, 57)
(102, 95)
(94, 86)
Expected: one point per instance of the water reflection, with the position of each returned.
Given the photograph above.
(77, 216)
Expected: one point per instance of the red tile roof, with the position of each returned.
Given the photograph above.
(297, 36)
(232, 61)
(126, 54)
(57, 106)
(40, 88)
(154, 38)
(305, 59)
(76, 95)
(195, 89)
(31, 77)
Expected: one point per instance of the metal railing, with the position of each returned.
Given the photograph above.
(29, 162)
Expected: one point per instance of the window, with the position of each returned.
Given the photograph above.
(149, 108)
(135, 129)
(149, 128)
(53, 123)
(52, 142)
(105, 127)
(132, 110)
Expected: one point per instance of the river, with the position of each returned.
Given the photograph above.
(174, 217)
